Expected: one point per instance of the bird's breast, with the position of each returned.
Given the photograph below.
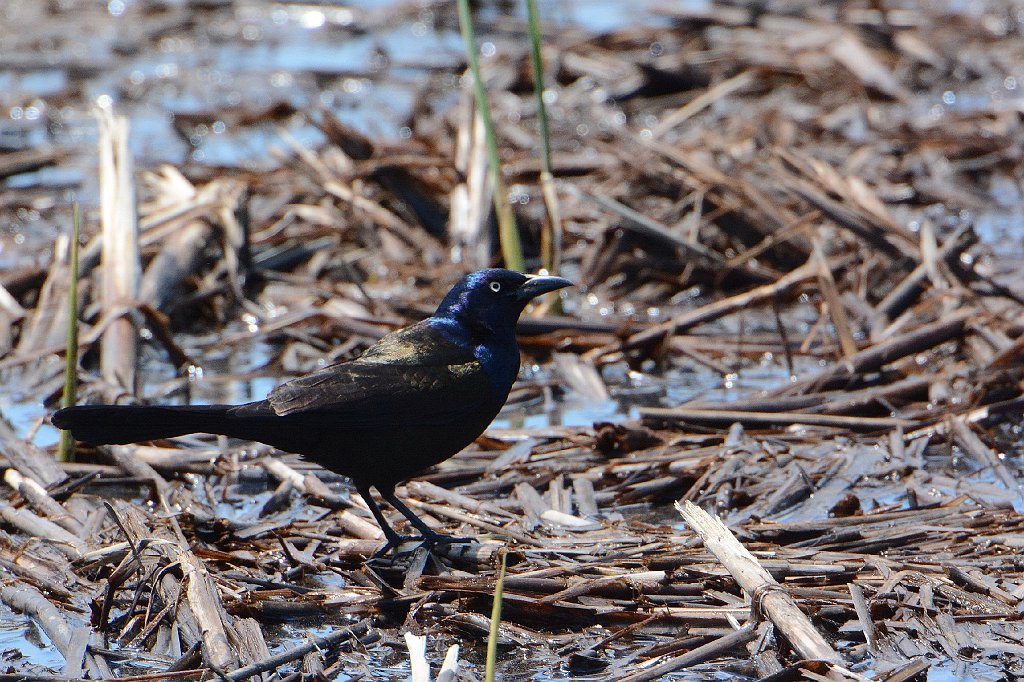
(500, 364)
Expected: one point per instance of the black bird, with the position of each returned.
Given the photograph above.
(412, 400)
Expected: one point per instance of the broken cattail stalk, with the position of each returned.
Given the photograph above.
(119, 285)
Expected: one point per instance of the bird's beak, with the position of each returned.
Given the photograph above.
(538, 284)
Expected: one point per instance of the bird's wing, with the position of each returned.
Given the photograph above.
(413, 376)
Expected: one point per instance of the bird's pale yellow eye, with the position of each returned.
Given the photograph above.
(495, 287)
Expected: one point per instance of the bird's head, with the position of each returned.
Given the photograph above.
(493, 299)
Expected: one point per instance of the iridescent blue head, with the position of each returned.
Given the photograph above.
(489, 302)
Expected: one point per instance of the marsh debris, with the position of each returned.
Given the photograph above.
(794, 231)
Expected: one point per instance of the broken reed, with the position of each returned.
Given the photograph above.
(66, 451)
(492, 637)
(508, 232)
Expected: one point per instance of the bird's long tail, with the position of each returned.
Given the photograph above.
(119, 424)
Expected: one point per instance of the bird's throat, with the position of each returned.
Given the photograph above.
(500, 363)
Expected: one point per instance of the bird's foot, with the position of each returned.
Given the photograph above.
(427, 540)
(392, 544)
(439, 539)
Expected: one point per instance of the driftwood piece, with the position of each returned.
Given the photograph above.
(209, 613)
(26, 521)
(773, 600)
(864, 616)
(332, 640)
(66, 638)
(124, 456)
(40, 500)
(706, 652)
(29, 460)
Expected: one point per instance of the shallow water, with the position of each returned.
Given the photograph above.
(21, 642)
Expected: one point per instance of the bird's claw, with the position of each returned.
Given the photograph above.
(427, 541)
(393, 544)
(438, 539)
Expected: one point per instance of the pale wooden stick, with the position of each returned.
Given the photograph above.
(31, 601)
(252, 647)
(470, 199)
(124, 456)
(29, 460)
(354, 631)
(40, 501)
(120, 249)
(456, 499)
(860, 605)
(205, 603)
(450, 666)
(357, 526)
(48, 323)
(419, 668)
(721, 90)
(775, 601)
(702, 653)
(836, 311)
(706, 416)
(285, 473)
(309, 484)
(26, 521)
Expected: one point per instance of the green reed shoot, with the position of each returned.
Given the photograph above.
(66, 451)
(551, 234)
(492, 637)
(508, 232)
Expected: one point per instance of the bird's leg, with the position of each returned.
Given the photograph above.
(430, 535)
(393, 538)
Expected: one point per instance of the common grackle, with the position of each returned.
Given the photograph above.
(412, 400)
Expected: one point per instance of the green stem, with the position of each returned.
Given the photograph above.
(492, 638)
(66, 451)
(537, 68)
(551, 233)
